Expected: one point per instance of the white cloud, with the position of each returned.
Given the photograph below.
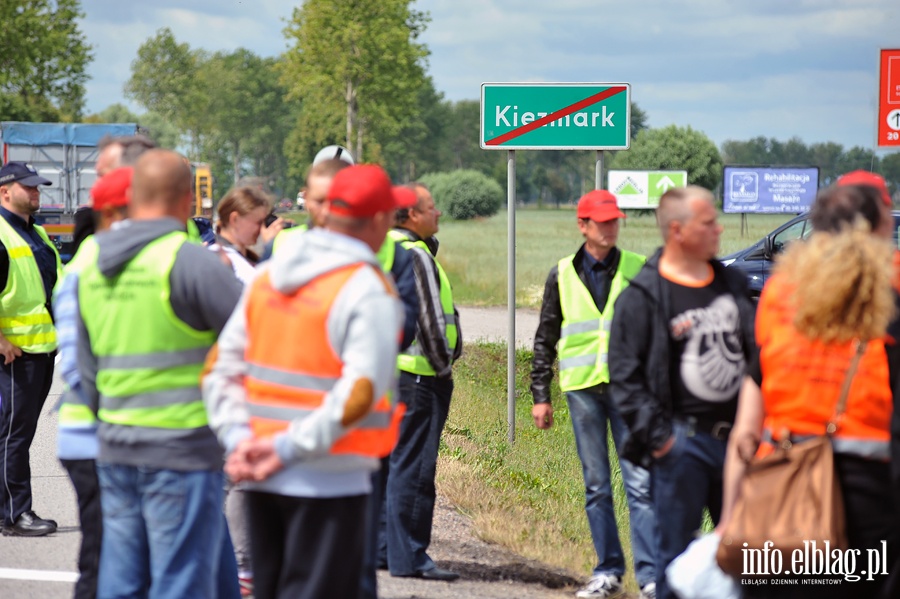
(732, 68)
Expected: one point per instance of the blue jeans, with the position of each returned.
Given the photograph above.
(410, 487)
(164, 534)
(591, 410)
(685, 480)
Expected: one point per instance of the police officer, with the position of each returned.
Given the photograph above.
(29, 267)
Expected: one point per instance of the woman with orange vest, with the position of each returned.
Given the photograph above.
(828, 295)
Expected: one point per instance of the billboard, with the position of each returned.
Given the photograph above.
(767, 189)
(642, 189)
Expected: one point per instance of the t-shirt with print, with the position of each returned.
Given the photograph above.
(705, 338)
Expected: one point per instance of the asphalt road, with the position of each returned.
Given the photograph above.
(45, 567)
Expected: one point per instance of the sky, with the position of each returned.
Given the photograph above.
(734, 69)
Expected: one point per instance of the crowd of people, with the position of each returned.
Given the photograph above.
(213, 458)
(692, 379)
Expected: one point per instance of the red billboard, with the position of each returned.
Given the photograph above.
(889, 100)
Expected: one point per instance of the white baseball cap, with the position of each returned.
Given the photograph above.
(334, 153)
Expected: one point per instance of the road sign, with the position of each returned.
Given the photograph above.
(889, 100)
(642, 189)
(765, 189)
(555, 116)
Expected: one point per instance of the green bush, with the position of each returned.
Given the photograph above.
(465, 194)
(437, 184)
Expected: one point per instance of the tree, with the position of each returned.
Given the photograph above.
(638, 120)
(357, 65)
(43, 60)
(674, 148)
(168, 79)
(247, 97)
(890, 169)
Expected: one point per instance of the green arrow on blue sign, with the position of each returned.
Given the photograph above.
(555, 116)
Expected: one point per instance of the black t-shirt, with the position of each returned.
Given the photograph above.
(706, 342)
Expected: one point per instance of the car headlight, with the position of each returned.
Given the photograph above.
(728, 262)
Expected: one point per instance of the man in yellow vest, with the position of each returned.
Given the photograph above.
(426, 385)
(306, 421)
(576, 315)
(29, 267)
(151, 305)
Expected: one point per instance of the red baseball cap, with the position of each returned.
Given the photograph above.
(599, 205)
(866, 178)
(110, 189)
(364, 190)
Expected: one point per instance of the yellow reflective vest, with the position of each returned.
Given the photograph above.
(148, 368)
(24, 318)
(584, 335)
(412, 360)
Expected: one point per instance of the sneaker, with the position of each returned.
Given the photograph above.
(602, 586)
(648, 591)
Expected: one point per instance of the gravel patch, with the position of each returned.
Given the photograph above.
(486, 570)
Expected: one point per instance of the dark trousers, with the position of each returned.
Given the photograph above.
(410, 487)
(87, 489)
(683, 482)
(375, 555)
(24, 385)
(306, 548)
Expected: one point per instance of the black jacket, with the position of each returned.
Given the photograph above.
(639, 355)
(550, 324)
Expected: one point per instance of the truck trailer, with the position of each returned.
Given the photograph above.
(64, 153)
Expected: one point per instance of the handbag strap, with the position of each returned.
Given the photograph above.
(859, 350)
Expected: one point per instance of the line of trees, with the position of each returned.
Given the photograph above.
(354, 74)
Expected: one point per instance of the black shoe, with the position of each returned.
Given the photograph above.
(36, 517)
(30, 525)
(437, 574)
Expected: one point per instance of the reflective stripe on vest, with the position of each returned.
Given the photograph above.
(25, 320)
(412, 360)
(149, 361)
(866, 448)
(584, 334)
(802, 380)
(73, 413)
(290, 383)
(285, 234)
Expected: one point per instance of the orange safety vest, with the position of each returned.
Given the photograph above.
(288, 381)
(802, 381)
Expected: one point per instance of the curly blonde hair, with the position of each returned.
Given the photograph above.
(842, 283)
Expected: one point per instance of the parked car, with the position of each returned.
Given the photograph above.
(757, 260)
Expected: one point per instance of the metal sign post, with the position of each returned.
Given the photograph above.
(548, 116)
(511, 296)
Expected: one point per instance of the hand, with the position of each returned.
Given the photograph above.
(543, 415)
(267, 234)
(9, 351)
(254, 459)
(666, 448)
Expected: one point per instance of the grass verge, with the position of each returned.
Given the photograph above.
(528, 496)
(474, 253)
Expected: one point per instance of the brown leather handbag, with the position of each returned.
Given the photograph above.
(787, 497)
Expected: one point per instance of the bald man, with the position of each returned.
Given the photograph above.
(681, 336)
(153, 305)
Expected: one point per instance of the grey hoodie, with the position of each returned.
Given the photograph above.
(363, 329)
(203, 294)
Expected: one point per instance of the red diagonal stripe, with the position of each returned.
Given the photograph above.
(553, 116)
